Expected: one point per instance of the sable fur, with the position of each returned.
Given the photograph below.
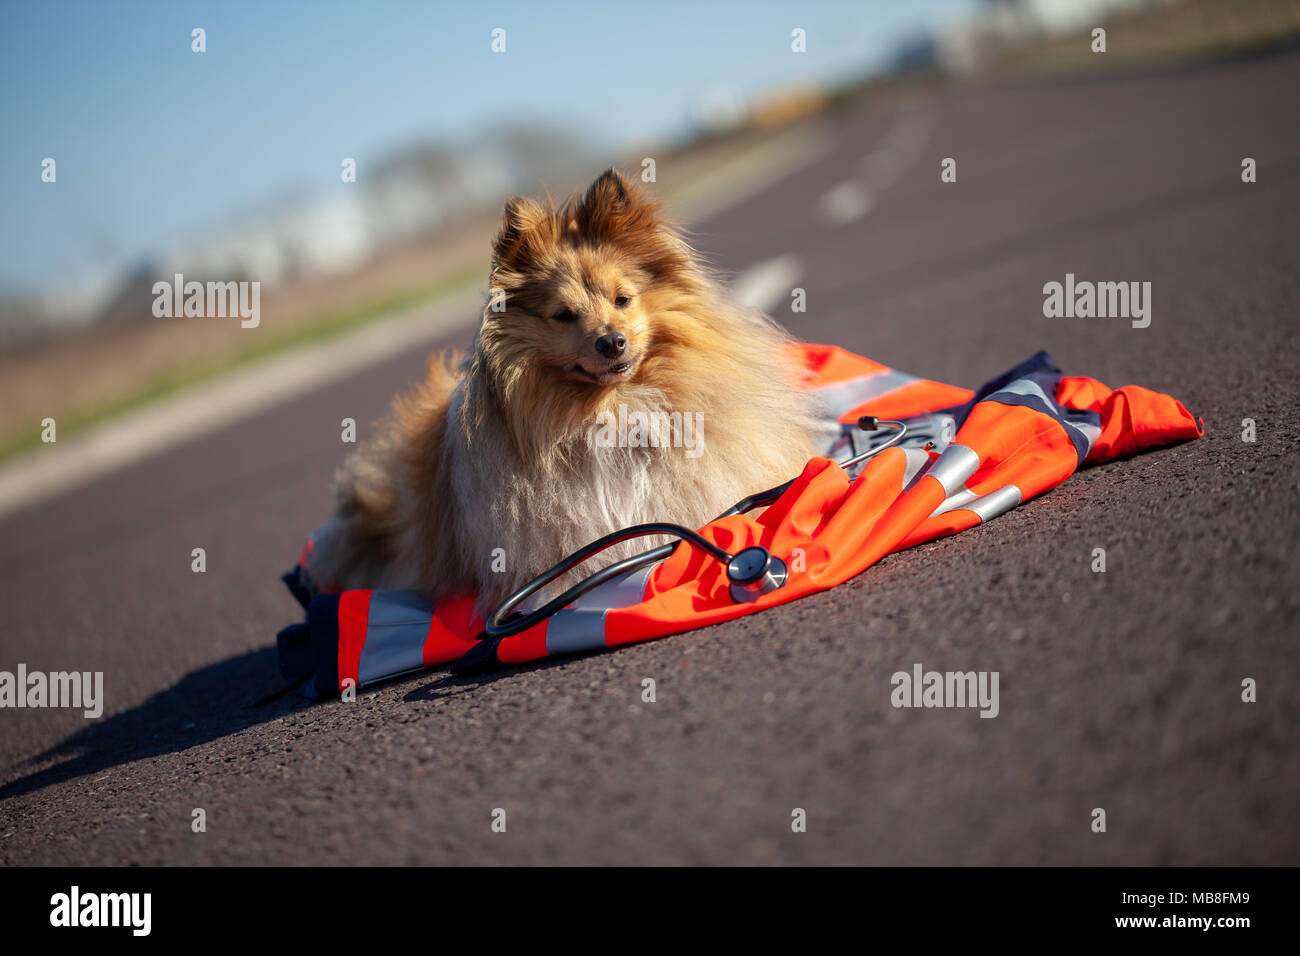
(497, 449)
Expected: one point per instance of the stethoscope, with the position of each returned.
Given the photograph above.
(752, 571)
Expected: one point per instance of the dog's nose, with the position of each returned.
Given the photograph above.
(611, 345)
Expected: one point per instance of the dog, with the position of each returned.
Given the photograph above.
(496, 466)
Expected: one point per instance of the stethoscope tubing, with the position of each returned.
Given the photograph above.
(498, 626)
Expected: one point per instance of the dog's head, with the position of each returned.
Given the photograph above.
(580, 294)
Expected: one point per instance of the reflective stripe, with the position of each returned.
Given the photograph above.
(622, 591)
(1025, 386)
(834, 442)
(576, 629)
(986, 506)
(1090, 431)
(917, 459)
(855, 391)
(581, 625)
(995, 503)
(954, 466)
(395, 633)
(963, 497)
(400, 607)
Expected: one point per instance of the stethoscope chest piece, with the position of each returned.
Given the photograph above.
(754, 572)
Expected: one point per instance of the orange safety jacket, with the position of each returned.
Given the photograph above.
(1022, 434)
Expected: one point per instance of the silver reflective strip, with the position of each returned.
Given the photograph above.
(399, 607)
(1090, 431)
(833, 439)
(581, 625)
(391, 652)
(995, 503)
(622, 591)
(1024, 386)
(842, 396)
(575, 629)
(917, 459)
(395, 634)
(961, 499)
(986, 506)
(954, 466)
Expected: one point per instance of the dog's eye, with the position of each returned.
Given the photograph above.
(565, 315)
(622, 301)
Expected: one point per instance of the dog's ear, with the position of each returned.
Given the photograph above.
(609, 191)
(613, 207)
(521, 236)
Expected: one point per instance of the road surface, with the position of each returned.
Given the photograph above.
(1119, 691)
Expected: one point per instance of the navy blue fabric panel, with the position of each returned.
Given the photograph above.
(293, 644)
(299, 585)
(1040, 367)
(323, 620)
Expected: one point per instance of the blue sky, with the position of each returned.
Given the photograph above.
(155, 143)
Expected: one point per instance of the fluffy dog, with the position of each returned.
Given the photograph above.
(503, 461)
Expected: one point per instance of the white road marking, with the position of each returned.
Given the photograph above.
(899, 150)
(846, 202)
(766, 283)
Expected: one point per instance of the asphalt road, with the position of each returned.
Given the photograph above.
(1118, 691)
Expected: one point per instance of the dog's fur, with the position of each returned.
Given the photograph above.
(498, 450)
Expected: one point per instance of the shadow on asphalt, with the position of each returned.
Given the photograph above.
(453, 685)
(201, 708)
